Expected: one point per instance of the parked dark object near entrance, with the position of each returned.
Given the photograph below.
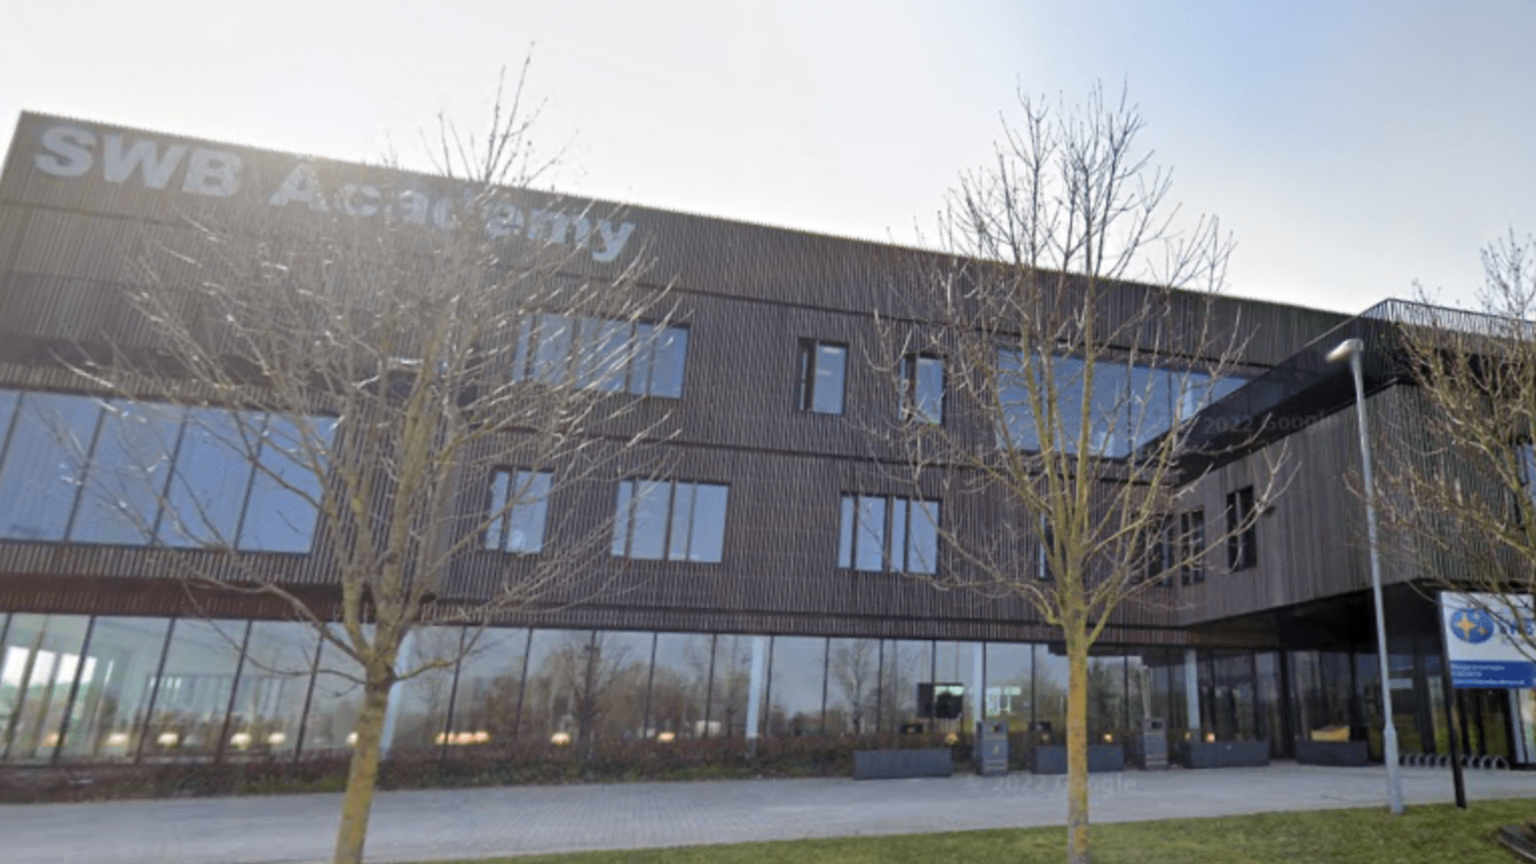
(1192, 752)
(900, 764)
(1332, 752)
(1052, 759)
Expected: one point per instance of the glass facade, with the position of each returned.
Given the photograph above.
(42, 662)
(111, 688)
(853, 686)
(1130, 404)
(90, 470)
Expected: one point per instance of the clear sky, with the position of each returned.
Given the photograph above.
(1350, 147)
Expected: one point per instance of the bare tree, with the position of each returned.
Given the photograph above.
(1038, 380)
(1459, 469)
(384, 349)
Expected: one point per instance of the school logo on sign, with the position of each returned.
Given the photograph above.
(1490, 639)
(1472, 625)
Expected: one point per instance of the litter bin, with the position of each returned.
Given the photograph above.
(992, 748)
(1154, 744)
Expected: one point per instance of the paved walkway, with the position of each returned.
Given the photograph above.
(465, 823)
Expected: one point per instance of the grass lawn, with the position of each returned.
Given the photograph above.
(1370, 836)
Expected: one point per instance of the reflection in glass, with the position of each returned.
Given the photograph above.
(904, 666)
(1267, 678)
(1106, 697)
(797, 686)
(490, 686)
(680, 685)
(731, 686)
(559, 703)
(958, 664)
(1130, 404)
(337, 697)
(666, 369)
(213, 473)
(44, 465)
(113, 699)
(282, 512)
(518, 523)
(612, 705)
(127, 476)
(1138, 691)
(192, 692)
(1009, 686)
(274, 682)
(853, 681)
(1051, 693)
(421, 715)
(41, 660)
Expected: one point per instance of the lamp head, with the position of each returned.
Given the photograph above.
(1346, 350)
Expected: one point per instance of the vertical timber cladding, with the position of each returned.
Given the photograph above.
(81, 203)
(1312, 542)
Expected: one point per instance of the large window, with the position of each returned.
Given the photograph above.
(1242, 532)
(519, 508)
(672, 520)
(922, 388)
(602, 354)
(113, 471)
(886, 533)
(1128, 404)
(819, 373)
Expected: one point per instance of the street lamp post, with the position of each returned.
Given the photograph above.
(1351, 350)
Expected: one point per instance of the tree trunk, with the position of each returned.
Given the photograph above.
(362, 776)
(1077, 747)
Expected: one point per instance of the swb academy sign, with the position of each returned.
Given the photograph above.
(72, 151)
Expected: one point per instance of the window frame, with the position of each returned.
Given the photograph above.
(626, 503)
(1161, 547)
(570, 362)
(911, 396)
(502, 517)
(258, 455)
(1242, 530)
(1133, 422)
(1192, 546)
(898, 517)
(808, 370)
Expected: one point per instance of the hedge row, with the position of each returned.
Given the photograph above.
(459, 767)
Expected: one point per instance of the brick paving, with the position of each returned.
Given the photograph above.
(450, 824)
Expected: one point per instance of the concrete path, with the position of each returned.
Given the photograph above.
(455, 824)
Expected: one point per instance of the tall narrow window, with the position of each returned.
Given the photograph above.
(519, 510)
(675, 520)
(1192, 546)
(1242, 532)
(819, 377)
(922, 388)
(877, 532)
(1043, 570)
(1160, 551)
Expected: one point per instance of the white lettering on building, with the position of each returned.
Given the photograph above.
(213, 173)
(300, 185)
(117, 164)
(69, 151)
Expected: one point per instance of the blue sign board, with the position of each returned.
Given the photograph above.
(1490, 639)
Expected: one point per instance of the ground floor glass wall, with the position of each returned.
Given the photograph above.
(110, 688)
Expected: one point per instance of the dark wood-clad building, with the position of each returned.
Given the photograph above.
(769, 624)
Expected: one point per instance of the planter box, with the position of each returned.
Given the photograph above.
(1222, 754)
(1332, 752)
(1053, 759)
(899, 764)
